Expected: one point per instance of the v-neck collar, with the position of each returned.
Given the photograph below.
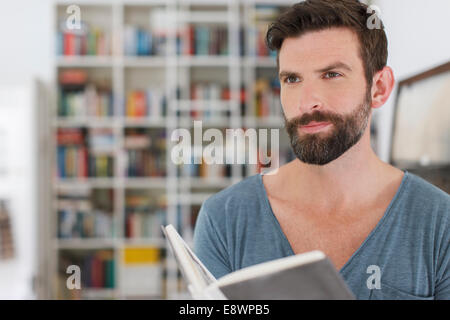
(288, 246)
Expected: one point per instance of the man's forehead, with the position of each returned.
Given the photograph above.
(319, 48)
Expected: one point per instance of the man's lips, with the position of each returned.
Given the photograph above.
(314, 126)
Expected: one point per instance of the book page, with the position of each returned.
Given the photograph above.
(195, 273)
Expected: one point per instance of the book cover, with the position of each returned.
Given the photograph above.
(307, 276)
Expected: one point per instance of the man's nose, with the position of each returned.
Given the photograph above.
(308, 99)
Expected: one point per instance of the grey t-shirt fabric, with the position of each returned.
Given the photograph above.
(406, 256)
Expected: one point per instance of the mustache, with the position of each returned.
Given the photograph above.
(316, 116)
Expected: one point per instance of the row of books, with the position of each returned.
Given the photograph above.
(87, 40)
(143, 163)
(141, 42)
(75, 162)
(267, 99)
(202, 40)
(204, 170)
(78, 157)
(78, 220)
(145, 152)
(213, 171)
(78, 96)
(101, 140)
(97, 268)
(260, 48)
(101, 166)
(151, 102)
(83, 101)
(140, 223)
(144, 214)
(96, 198)
(264, 14)
(206, 100)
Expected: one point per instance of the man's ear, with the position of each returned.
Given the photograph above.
(382, 86)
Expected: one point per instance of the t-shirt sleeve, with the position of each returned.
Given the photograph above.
(210, 244)
(443, 263)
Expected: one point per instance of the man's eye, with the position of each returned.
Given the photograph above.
(291, 79)
(330, 75)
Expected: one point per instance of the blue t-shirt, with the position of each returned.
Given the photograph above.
(409, 247)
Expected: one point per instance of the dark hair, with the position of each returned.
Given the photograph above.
(316, 15)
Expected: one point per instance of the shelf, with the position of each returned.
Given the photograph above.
(146, 242)
(214, 17)
(143, 62)
(98, 293)
(205, 2)
(86, 2)
(110, 122)
(144, 122)
(130, 3)
(216, 123)
(85, 243)
(126, 182)
(93, 122)
(262, 62)
(85, 61)
(86, 183)
(142, 183)
(207, 61)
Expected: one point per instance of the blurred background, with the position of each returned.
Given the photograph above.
(91, 92)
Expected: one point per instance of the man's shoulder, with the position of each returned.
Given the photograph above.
(245, 193)
(420, 189)
(425, 199)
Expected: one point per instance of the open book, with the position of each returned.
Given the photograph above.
(309, 276)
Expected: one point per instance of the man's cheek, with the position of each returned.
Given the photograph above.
(288, 105)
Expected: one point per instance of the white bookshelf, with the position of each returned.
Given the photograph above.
(170, 71)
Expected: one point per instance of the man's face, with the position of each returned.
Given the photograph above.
(323, 93)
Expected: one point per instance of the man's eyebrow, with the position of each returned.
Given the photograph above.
(287, 74)
(335, 65)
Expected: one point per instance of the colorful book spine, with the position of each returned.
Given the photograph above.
(97, 269)
(151, 103)
(202, 40)
(267, 99)
(141, 42)
(81, 157)
(146, 152)
(78, 97)
(84, 41)
(141, 223)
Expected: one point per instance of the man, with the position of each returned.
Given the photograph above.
(337, 196)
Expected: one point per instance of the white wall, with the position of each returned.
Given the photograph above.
(18, 187)
(25, 53)
(418, 36)
(26, 40)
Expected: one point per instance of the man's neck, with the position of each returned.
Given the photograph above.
(354, 179)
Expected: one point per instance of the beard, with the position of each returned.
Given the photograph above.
(323, 147)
